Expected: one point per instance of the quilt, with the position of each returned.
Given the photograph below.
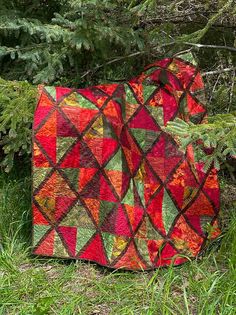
(110, 185)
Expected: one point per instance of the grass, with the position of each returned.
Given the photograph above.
(30, 285)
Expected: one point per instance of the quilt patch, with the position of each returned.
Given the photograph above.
(109, 184)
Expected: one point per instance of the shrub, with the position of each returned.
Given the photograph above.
(17, 103)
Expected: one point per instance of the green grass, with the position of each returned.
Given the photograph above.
(30, 285)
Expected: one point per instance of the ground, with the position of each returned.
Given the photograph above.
(31, 285)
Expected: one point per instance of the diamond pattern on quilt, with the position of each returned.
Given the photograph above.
(109, 184)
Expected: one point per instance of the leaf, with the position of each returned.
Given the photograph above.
(216, 163)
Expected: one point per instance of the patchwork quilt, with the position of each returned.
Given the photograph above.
(109, 184)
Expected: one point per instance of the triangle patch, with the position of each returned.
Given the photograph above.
(169, 211)
(145, 138)
(47, 245)
(49, 127)
(94, 207)
(130, 259)
(48, 145)
(121, 224)
(143, 121)
(82, 118)
(119, 181)
(157, 114)
(64, 127)
(68, 234)
(106, 192)
(102, 148)
(148, 91)
(63, 203)
(94, 251)
(60, 249)
(63, 145)
(78, 217)
(129, 110)
(135, 215)
(167, 256)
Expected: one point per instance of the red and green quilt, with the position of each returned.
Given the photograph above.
(109, 184)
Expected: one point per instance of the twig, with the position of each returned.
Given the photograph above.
(112, 61)
(210, 46)
(181, 20)
(160, 47)
(214, 87)
(231, 93)
(124, 57)
(218, 71)
(183, 52)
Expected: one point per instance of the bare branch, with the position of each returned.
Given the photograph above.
(112, 61)
(90, 71)
(211, 46)
(186, 19)
(231, 92)
(218, 71)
